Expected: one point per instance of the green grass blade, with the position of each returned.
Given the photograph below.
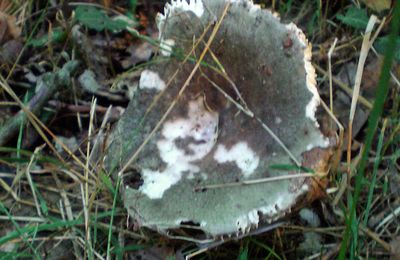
(381, 93)
(374, 173)
(112, 216)
(19, 231)
(269, 249)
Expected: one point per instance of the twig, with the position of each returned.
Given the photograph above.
(47, 86)
(375, 237)
(389, 218)
(63, 76)
(24, 219)
(256, 181)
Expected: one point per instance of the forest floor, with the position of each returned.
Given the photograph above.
(67, 72)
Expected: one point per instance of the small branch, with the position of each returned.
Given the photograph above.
(256, 181)
(47, 86)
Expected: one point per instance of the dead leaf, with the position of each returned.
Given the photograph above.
(4, 5)
(378, 5)
(8, 28)
(372, 72)
(395, 246)
(10, 50)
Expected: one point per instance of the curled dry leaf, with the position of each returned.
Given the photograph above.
(250, 105)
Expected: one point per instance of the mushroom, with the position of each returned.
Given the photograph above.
(231, 97)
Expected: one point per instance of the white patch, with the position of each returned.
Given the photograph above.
(311, 82)
(200, 125)
(284, 200)
(166, 47)
(241, 154)
(178, 222)
(204, 176)
(151, 80)
(245, 222)
(252, 7)
(278, 120)
(190, 176)
(310, 73)
(177, 6)
(321, 142)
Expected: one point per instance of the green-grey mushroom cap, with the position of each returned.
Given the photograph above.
(248, 108)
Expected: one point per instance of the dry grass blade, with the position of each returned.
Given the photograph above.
(336, 159)
(68, 209)
(85, 198)
(343, 86)
(29, 178)
(366, 45)
(375, 237)
(38, 125)
(330, 74)
(258, 181)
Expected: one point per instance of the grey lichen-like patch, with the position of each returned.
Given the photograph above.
(206, 140)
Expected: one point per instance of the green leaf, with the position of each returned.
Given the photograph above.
(42, 202)
(382, 42)
(107, 182)
(91, 17)
(56, 35)
(354, 17)
(98, 20)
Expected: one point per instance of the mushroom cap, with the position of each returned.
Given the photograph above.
(255, 82)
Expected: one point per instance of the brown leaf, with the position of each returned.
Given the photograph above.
(378, 5)
(4, 5)
(8, 28)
